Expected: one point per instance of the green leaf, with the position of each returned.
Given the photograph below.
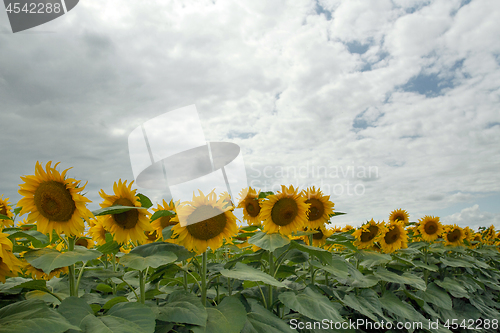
(104, 288)
(393, 304)
(437, 296)
(456, 262)
(161, 213)
(367, 304)
(228, 317)
(182, 307)
(310, 304)
(116, 209)
(109, 247)
(144, 200)
(337, 267)
(265, 194)
(342, 238)
(453, 287)
(336, 214)
(358, 280)
(405, 278)
(261, 320)
(32, 235)
(49, 259)
(167, 233)
(269, 242)
(32, 316)
(4, 217)
(121, 318)
(323, 255)
(139, 262)
(115, 300)
(161, 247)
(369, 259)
(244, 272)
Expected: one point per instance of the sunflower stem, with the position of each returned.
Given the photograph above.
(71, 268)
(142, 286)
(185, 277)
(113, 260)
(80, 276)
(271, 272)
(203, 276)
(311, 267)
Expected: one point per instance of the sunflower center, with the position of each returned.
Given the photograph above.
(318, 235)
(3, 210)
(367, 236)
(430, 228)
(399, 217)
(208, 228)
(284, 211)
(316, 209)
(453, 236)
(54, 201)
(252, 207)
(165, 221)
(392, 236)
(151, 235)
(128, 219)
(82, 242)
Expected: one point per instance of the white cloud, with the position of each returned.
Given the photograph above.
(473, 217)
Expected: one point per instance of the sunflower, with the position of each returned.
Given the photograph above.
(251, 204)
(453, 235)
(468, 232)
(98, 232)
(228, 202)
(477, 237)
(394, 238)
(284, 212)
(320, 207)
(9, 264)
(38, 274)
(209, 232)
(5, 209)
(489, 235)
(399, 215)
(347, 227)
(368, 234)
(129, 225)
(164, 221)
(85, 242)
(53, 201)
(429, 228)
(319, 238)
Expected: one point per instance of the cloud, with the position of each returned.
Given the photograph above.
(473, 217)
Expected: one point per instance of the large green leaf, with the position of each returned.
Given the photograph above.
(269, 242)
(32, 235)
(138, 262)
(261, 320)
(367, 304)
(243, 272)
(453, 287)
(310, 304)
(160, 247)
(323, 255)
(371, 258)
(401, 309)
(4, 217)
(358, 280)
(456, 262)
(228, 317)
(337, 267)
(436, 296)
(116, 209)
(161, 213)
(405, 278)
(144, 200)
(183, 308)
(49, 259)
(121, 318)
(32, 316)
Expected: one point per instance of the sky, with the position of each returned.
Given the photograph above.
(381, 104)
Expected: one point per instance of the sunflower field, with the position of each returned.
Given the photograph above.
(133, 266)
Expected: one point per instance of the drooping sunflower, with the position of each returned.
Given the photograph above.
(249, 201)
(368, 234)
(284, 212)
(320, 207)
(129, 225)
(164, 221)
(429, 228)
(201, 232)
(38, 274)
(98, 232)
(5, 209)
(399, 215)
(53, 201)
(319, 238)
(85, 242)
(394, 238)
(489, 235)
(477, 238)
(453, 235)
(9, 264)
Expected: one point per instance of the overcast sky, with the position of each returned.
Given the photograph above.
(382, 104)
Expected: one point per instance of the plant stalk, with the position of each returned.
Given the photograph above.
(71, 268)
(271, 272)
(142, 286)
(203, 276)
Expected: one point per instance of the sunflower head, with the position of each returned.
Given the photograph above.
(399, 215)
(284, 212)
(164, 221)
(347, 227)
(319, 238)
(38, 274)
(251, 204)
(53, 201)
(129, 225)
(429, 228)
(477, 240)
(5, 210)
(85, 242)
(9, 264)
(320, 207)
(207, 223)
(489, 235)
(394, 238)
(453, 235)
(368, 234)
